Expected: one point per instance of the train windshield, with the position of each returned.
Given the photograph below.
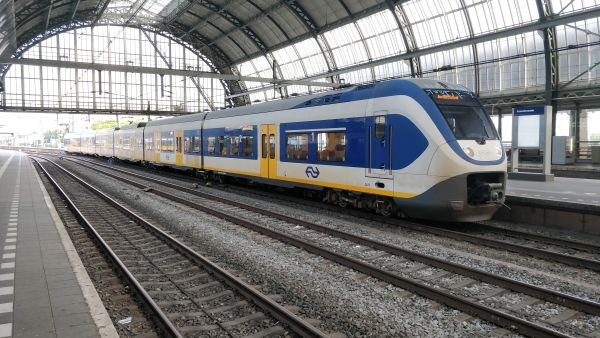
(469, 122)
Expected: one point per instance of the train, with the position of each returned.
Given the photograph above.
(418, 148)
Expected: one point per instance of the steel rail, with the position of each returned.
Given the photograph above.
(159, 317)
(539, 238)
(298, 325)
(480, 240)
(460, 303)
(552, 296)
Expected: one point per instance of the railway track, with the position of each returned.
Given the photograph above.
(525, 248)
(186, 293)
(456, 295)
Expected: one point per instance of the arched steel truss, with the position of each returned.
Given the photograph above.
(221, 60)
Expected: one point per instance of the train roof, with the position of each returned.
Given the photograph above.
(377, 89)
(132, 126)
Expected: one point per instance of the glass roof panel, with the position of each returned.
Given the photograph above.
(492, 15)
(289, 62)
(346, 45)
(382, 36)
(436, 21)
(576, 62)
(512, 63)
(569, 6)
(312, 56)
(454, 66)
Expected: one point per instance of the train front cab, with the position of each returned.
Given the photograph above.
(469, 162)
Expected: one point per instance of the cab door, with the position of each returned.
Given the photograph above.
(268, 155)
(379, 145)
(179, 147)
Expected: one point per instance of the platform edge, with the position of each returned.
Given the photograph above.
(98, 312)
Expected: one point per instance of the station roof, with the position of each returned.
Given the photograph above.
(490, 46)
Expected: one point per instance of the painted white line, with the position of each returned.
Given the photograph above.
(6, 307)
(8, 255)
(12, 224)
(7, 276)
(3, 169)
(10, 247)
(11, 229)
(6, 330)
(11, 234)
(9, 265)
(10, 240)
(7, 290)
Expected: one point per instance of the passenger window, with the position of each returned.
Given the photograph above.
(296, 147)
(211, 145)
(187, 144)
(234, 146)
(264, 146)
(272, 146)
(196, 144)
(331, 147)
(380, 127)
(222, 146)
(248, 146)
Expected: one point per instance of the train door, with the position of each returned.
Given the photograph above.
(156, 146)
(268, 155)
(379, 145)
(179, 147)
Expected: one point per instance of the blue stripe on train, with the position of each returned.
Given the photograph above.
(408, 141)
(400, 87)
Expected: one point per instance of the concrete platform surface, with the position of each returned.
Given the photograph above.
(573, 190)
(44, 289)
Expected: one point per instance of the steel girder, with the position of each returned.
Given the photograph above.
(550, 51)
(169, 64)
(538, 25)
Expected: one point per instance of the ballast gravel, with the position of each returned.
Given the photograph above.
(343, 300)
(560, 277)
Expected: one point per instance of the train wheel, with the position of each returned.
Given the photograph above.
(385, 208)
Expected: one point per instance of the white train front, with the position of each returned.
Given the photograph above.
(422, 148)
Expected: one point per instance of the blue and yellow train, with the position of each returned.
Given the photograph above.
(423, 148)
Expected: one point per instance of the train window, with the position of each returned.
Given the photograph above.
(264, 146)
(187, 144)
(196, 144)
(296, 147)
(248, 146)
(331, 147)
(126, 144)
(222, 146)
(234, 148)
(469, 123)
(380, 127)
(271, 146)
(149, 143)
(211, 145)
(166, 141)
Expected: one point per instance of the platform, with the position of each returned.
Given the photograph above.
(44, 288)
(572, 190)
(575, 170)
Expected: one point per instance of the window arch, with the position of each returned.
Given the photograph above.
(68, 89)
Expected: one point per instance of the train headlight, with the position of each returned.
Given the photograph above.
(469, 152)
(498, 151)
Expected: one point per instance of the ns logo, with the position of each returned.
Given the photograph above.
(312, 172)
